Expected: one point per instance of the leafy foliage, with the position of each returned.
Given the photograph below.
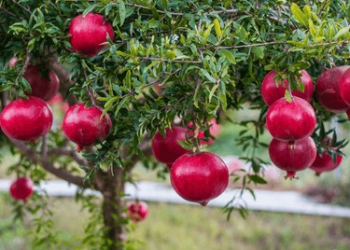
(208, 57)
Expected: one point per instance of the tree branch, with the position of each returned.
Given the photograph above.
(68, 152)
(64, 77)
(48, 166)
(21, 6)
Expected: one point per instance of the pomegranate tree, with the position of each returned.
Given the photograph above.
(89, 33)
(271, 93)
(199, 177)
(22, 188)
(26, 119)
(44, 85)
(293, 156)
(328, 91)
(291, 120)
(166, 149)
(85, 126)
(137, 211)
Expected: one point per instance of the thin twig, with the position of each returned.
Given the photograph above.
(7, 12)
(167, 60)
(48, 166)
(68, 152)
(44, 147)
(25, 65)
(21, 6)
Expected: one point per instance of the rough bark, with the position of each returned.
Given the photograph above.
(113, 208)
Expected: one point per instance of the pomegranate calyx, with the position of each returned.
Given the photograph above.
(204, 203)
(291, 175)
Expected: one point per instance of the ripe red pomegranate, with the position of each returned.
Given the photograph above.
(270, 93)
(88, 33)
(290, 121)
(137, 211)
(22, 188)
(344, 87)
(324, 162)
(328, 90)
(293, 156)
(199, 177)
(85, 126)
(44, 87)
(26, 119)
(167, 149)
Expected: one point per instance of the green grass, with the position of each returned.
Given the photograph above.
(177, 227)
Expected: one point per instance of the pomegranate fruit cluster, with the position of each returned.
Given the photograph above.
(291, 122)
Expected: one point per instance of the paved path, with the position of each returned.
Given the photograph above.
(272, 201)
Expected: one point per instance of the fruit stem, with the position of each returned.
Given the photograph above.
(196, 140)
(291, 175)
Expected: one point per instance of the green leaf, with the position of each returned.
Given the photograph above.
(259, 51)
(341, 32)
(228, 55)
(217, 28)
(257, 179)
(122, 12)
(299, 14)
(307, 11)
(312, 28)
(89, 9)
(208, 76)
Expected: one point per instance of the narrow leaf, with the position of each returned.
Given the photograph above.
(217, 28)
(122, 12)
(341, 32)
(89, 9)
(299, 15)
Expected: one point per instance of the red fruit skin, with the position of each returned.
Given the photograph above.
(325, 163)
(87, 34)
(291, 121)
(270, 93)
(137, 211)
(167, 149)
(199, 177)
(84, 125)
(22, 188)
(42, 87)
(328, 90)
(293, 156)
(26, 119)
(344, 87)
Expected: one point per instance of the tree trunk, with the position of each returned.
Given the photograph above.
(113, 209)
